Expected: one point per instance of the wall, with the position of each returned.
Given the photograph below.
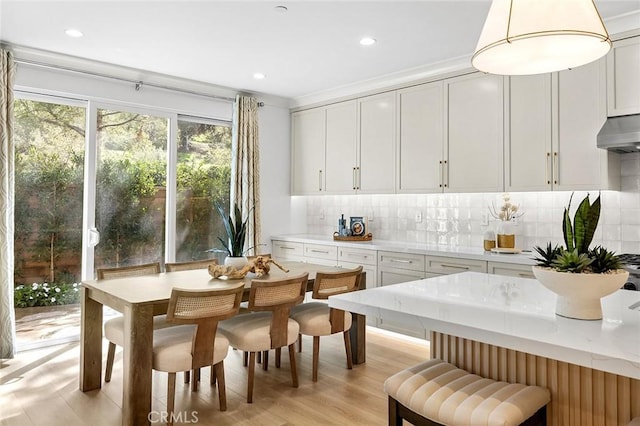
(455, 219)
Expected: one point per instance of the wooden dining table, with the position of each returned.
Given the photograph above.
(139, 298)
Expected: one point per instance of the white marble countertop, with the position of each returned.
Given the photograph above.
(475, 253)
(515, 313)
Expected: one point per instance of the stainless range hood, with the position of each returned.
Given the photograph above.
(620, 134)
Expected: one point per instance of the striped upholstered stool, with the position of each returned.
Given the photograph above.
(438, 393)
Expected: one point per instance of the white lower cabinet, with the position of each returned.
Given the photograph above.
(286, 250)
(510, 269)
(394, 268)
(321, 254)
(441, 265)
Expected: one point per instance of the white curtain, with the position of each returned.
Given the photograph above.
(245, 170)
(7, 313)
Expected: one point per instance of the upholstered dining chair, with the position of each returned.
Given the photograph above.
(189, 266)
(193, 343)
(114, 327)
(268, 326)
(318, 319)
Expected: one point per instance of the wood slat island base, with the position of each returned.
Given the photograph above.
(580, 396)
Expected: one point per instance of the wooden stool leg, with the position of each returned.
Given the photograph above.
(212, 379)
(222, 391)
(187, 377)
(278, 357)
(347, 348)
(299, 342)
(394, 416)
(292, 361)
(195, 379)
(245, 358)
(265, 360)
(111, 354)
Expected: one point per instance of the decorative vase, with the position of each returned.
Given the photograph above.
(238, 262)
(579, 294)
(505, 235)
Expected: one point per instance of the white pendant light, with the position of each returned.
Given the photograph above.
(523, 37)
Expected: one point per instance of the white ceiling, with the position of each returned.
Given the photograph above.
(311, 48)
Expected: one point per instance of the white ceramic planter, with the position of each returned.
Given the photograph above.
(236, 262)
(579, 294)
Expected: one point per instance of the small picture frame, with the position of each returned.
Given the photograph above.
(357, 226)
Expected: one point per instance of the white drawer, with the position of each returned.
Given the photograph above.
(453, 265)
(318, 251)
(412, 262)
(359, 256)
(286, 249)
(510, 269)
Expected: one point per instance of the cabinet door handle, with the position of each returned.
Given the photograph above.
(441, 173)
(286, 248)
(359, 178)
(359, 256)
(319, 180)
(555, 168)
(319, 251)
(445, 175)
(547, 160)
(525, 275)
(400, 261)
(353, 178)
(444, 265)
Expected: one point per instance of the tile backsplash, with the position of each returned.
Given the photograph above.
(458, 219)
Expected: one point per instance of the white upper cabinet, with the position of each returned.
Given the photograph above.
(623, 77)
(475, 133)
(341, 147)
(528, 145)
(577, 163)
(375, 171)
(420, 138)
(308, 148)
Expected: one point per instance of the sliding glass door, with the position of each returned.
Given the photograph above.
(131, 180)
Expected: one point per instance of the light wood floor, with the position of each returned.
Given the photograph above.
(40, 387)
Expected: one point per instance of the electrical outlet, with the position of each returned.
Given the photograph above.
(321, 214)
(419, 216)
(485, 219)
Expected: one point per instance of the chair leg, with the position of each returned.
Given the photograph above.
(265, 360)
(222, 391)
(316, 355)
(259, 357)
(245, 358)
(347, 348)
(187, 377)
(252, 367)
(278, 357)
(111, 354)
(212, 379)
(195, 379)
(171, 397)
(292, 361)
(299, 342)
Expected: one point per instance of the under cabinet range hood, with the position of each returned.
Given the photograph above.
(620, 134)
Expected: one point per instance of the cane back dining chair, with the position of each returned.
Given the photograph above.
(114, 327)
(193, 342)
(189, 266)
(318, 319)
(268, 326)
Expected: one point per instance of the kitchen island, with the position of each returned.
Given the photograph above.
(505, 328)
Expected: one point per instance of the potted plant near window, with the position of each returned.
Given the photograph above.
(236, 230)
(578, 274)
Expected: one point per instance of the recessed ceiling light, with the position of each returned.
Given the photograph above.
(258, 76)
(72, 32)
(367, 41)
(280, 9)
